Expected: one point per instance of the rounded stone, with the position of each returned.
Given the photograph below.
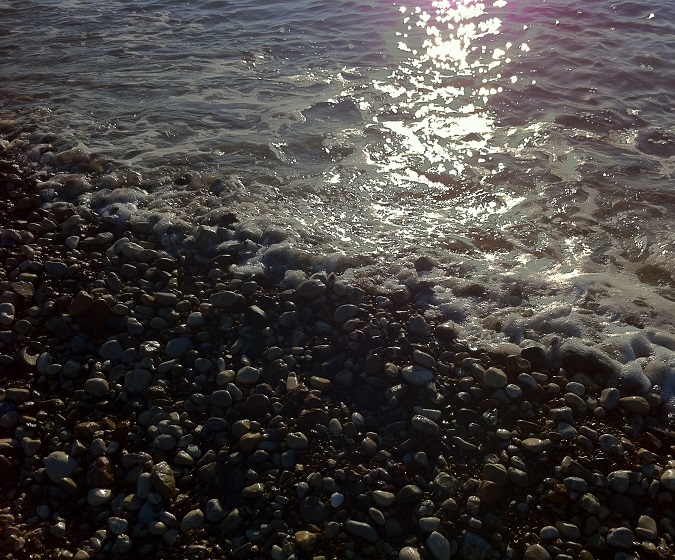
(536, 552)
(192, 520)
(635, 405)
(362, 530)
(668, 479)
(248, 375)
(137, 380)
(96, 387)
(409, 553)
(495, 378)
(111, 350)
(297, 440)
(177, 347)
(425, 425)
(59, 465)
(99, 496)
(417, 375)
(439, 546)
(621, 537)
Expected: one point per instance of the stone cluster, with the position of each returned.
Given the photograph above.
(168, 406)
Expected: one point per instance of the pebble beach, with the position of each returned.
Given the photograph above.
(168, 405)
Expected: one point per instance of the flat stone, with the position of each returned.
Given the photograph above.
(589, 503)
(409, 494)
(534, 445)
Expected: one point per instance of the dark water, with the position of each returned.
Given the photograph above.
(525, 147)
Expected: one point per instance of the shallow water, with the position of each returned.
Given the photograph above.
(526, 148)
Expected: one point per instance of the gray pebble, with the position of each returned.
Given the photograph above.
(621, 537)
(362, 530)
(192, 520)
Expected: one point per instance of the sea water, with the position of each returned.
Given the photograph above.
(511, 162)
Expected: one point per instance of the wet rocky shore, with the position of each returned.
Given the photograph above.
(167, 405)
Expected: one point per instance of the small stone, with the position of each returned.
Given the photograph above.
(576, 484)
(221, 399)
(248, 375)
(226, 299)
(549, 532)
(646, 528)
(425, 425)
(409, 494)
(635, 405)
(99, 496)
(96, 387)
(337, 499)
(177, 347)
(192, 520)
(418, 327)
(495, 378)
(534, 445)
(619, 481)
(417, 375)
(305, 540)
(59, 465)
(163, 480)
(344, 313)
(111, 350)
(409, 553)
(439, 546)
(609, 398)
(117, 525)
(137, 380)
(383, 499)
(362, 530)
(536, 552)
(334, 427)
(621, 537)
(297, 440)
(589, 503)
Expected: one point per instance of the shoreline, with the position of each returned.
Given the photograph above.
(156, 404)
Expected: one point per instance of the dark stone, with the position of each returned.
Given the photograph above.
(255, 406)
(313, 510)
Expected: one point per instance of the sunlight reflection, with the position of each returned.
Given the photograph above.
(434, 114)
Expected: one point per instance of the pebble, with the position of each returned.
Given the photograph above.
(99, 496)
(668, 479)
(383, 499)
(417, 375)
(177, 347)
(635, 405)
(621, 537)
(192, 520)
(137, 381)
(59, 465)
(297, 440)
(362, 530)
(536, 552)
(495, 378)
(425, 425)
(409, 553)
(439, 546)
